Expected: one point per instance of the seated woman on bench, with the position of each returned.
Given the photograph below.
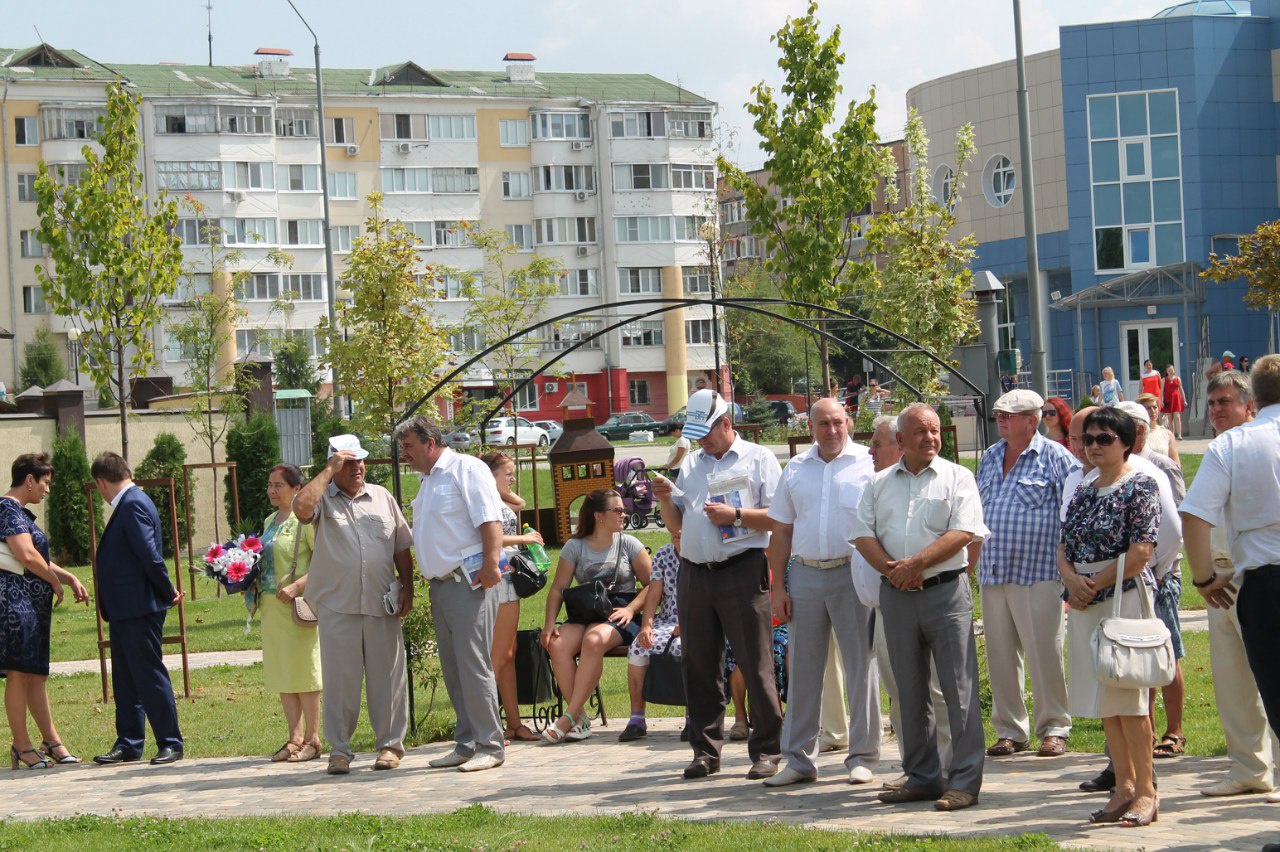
(597, 551)
(658, 628)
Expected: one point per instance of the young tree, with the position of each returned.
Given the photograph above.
(823, 180)
(769, 355)
(1258, 263)
(386, 345)
(165, 459)
(920, 290)
(42, 365)
(293, 367)
(504, 301)
(113, 261)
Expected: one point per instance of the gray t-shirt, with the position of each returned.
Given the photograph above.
(591, 565)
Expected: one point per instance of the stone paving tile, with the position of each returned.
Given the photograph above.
(1020, 794)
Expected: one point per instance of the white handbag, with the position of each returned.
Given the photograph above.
(9, 562)
(1132, 653)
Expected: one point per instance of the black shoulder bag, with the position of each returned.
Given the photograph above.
(589, 603)
(526, 579)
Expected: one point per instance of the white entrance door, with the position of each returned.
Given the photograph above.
(1156, 340)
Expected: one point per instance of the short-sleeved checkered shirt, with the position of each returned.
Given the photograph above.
(1023, 511)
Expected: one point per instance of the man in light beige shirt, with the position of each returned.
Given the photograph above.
(361, 585)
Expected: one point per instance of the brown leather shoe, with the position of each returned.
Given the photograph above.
(763, 768)
(906, 794)
(956, 800)
(1004, 747)
(387, 759)
(897, 783)
(1052, 747)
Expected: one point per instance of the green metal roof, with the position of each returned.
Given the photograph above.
(242, 80)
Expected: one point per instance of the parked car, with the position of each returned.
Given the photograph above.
(514, 430)
(678, 417)
(554, 429)
(620, 426)
(783, 410)
(462, 439)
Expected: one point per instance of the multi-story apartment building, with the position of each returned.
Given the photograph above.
(611, 174)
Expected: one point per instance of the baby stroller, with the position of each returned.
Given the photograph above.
(636, 490)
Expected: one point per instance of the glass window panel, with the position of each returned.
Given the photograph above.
(1133, 115)
(1164, 156)
(1106, 161)
(1135, 159)
(1164, 112)
(1169, 244)
(1137, 203)
(1166, 200)
(1106, 205)
(1140, 247)
(1110, 248)
(1133, 337)
(1102, 118)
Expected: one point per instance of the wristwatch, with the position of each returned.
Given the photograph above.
(737, 517)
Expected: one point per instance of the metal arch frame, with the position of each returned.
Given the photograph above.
(668, 304)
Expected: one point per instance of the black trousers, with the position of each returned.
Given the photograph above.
(143, 691)
(1256, 605)
(732, 603)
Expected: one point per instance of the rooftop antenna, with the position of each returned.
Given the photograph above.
(208, 8)
(37, 29)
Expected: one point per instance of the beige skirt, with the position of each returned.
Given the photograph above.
(1085, 695)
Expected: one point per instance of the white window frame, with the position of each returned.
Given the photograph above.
(639, 281)
(33, 301)
(343, 238)
(449, 233)
(565, 230)
(693, 176)
(513, 132)
(302, 232)
(696, 280)
(298, 177)
(689, 124)
(189, 175)
(516, 185)
(561, 125)
(699, 332)
(26, 131)
(343, 186)
(643, 333)
(643, 229)
(641, 177)
(339, 130)
(309, 286)
(398, 180)
(638, 392)
(29, 244)
(577, 283)
(638, 124)
(564, 179)
(455, 180)
(520, 236)
(241, 231)
(451, 128)
(250, 175)
(260, 287)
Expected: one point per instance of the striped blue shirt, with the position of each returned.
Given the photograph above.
(1023, 511)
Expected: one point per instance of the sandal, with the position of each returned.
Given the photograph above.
(1171, 745)
(553, 735)
(287, 752)
(580, 731)
(521, 734)
(310, 751)
(66, 760)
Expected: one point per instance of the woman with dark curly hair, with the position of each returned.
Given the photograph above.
(30, 586)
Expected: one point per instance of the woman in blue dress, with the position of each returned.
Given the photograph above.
(30, 585)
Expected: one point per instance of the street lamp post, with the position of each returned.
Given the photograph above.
(73, 342)
(328, 225)
(710, 232)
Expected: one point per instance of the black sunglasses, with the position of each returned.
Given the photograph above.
(1049, 412)
(1105, 439)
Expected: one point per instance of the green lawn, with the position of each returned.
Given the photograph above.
(472, 828)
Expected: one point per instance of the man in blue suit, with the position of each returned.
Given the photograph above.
(134, 593)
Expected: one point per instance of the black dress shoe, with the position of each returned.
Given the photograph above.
(631, 733)
(1103, 782)
(701, 767)
(684, 734)
(166, 755)
(116, 755)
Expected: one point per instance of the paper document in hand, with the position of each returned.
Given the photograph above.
(473, 561)
(732, 489)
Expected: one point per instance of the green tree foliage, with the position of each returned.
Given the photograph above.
(165, 460)
(68, 512)
(386, 346)
(114, 261)
(504, 301)
(254, 445)
(42, 365)
(825, 177)
(293, 367)
(324, 425)
(1258, 263)
(920, 290)
(768, 356)
(760, 411)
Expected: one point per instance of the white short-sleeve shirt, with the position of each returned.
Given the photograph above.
(454, 499)
(700, 539)
(821, 499)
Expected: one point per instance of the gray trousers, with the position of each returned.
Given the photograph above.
(823, 600)
(936, 623)
(464, 631)
(356, 648)
(936, 699)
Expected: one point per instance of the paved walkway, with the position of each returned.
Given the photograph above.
(1021, 794)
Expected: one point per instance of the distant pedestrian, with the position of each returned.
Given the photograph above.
(1227, 362)
(1111, 390)
(1173, 402)
(1150, 379)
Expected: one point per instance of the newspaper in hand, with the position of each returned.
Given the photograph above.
(732, 489)
(473, 561)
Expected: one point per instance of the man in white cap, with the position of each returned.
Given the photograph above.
(361, 585)
(1020, 479)
(815, 507)
(722, 514)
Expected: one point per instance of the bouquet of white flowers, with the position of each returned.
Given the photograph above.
(234, 564)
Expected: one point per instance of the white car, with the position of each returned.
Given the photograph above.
(514, 430)
(554, 429)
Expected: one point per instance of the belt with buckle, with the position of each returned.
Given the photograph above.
(731, 561)
(457, 575)
(930, 582)
(824, 564)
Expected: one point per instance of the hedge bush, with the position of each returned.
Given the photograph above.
(68, 516)
(254, 445)
(165, 460)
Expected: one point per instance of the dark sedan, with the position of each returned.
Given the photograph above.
(620, 426)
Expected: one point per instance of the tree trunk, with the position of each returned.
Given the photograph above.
(824, 353)
(120, 400)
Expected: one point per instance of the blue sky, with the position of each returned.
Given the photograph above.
(719, 48)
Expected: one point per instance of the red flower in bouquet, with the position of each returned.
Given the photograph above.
(214, 553)
(237, 571)
(251, 542)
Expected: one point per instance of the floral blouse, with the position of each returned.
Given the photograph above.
(1102, 523)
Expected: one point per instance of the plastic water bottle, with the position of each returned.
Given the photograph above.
(537, 553)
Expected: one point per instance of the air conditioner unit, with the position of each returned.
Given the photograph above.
(582, 251)
(403, 147)
(550, 387)
(578, 146)
(235, 196)
(352, 150)
(582, 195)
